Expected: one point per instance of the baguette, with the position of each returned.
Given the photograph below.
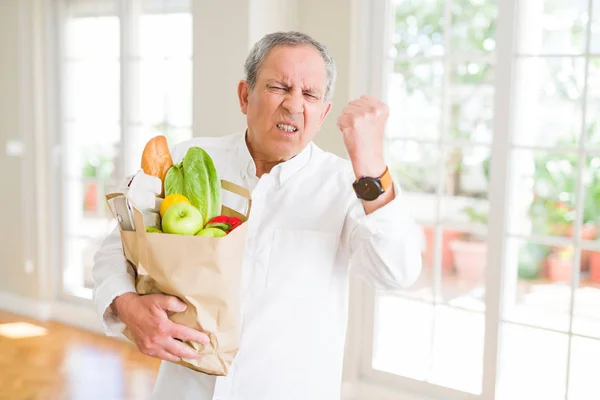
(156, 159)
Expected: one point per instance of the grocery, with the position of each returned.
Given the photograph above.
(191, 191)
(156, 158)
(197, 179)
(182, 219)
(212, 232)
(187, 250)
(170, 200)
(224, 222)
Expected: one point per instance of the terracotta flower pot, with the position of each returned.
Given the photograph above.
(588, 232)
(90, 197)
(595, 266)
(429, 251)
(470, 259)
(559, 269)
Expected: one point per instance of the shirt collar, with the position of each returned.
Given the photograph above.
(282, 172)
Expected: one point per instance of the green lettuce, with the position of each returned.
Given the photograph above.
(196, 178)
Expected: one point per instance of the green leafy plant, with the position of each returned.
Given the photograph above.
(553, 209)
(531, 260)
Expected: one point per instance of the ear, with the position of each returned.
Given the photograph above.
(325, 112)
(243, 93)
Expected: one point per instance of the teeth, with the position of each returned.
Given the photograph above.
(287, 128)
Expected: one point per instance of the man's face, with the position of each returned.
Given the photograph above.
(286, 108)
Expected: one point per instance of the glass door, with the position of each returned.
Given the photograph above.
(550, 324)
(442, 79)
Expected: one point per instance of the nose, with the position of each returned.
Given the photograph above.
(293, 102)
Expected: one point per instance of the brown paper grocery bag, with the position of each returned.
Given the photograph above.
(204, 272)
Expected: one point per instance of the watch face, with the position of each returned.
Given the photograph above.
(367, 189)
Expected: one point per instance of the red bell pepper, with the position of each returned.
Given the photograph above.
(224, 222)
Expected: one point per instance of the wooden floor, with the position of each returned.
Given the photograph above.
(68, 363)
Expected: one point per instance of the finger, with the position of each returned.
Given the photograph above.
(180, 349)
(370, 103)
(369, 98)
(165, 355)
(355, 104)
(170, 303)
(347, 114)
(343, 121)
(353, 108)
(188, 334)
(375, 103)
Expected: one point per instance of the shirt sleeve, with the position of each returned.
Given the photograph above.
(113, 276)
(385, 246)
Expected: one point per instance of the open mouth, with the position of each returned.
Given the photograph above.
(287, 128)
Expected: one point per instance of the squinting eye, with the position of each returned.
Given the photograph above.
(312, 96)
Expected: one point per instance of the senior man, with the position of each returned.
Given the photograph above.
(315, 218)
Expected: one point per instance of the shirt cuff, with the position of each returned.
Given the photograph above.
(104, 296)
(386, 220)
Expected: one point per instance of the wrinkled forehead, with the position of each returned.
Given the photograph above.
(294, 65)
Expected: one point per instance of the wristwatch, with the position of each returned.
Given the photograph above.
(369, 189)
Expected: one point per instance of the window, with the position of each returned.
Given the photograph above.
(439, 74)
(126, 76)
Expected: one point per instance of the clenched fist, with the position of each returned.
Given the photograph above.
(362, 123)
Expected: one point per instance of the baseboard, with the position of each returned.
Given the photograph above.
(367, 391)
(27, 307)
(71, 314)
(76, 315)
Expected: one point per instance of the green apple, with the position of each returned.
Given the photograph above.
(182, 219)
(153, 229)
(212, 232)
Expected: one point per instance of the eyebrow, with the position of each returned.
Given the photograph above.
(283, 83)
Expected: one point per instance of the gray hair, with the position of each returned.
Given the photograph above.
(261, 49)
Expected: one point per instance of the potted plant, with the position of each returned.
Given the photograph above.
(593, 205)
(553, 209)
(470, 250)
(559, 264)
(448, 236)
(592, 213)
(532, 257)
(96, 170)
(594, 263)
(594, 260)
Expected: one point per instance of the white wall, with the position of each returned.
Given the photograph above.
(224, 37)
(19, 272)
(11, 236)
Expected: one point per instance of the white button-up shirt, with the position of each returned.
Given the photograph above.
(306, 232)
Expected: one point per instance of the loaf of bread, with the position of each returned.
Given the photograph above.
(156, 159)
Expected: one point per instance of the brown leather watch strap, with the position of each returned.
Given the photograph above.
(386, 179)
